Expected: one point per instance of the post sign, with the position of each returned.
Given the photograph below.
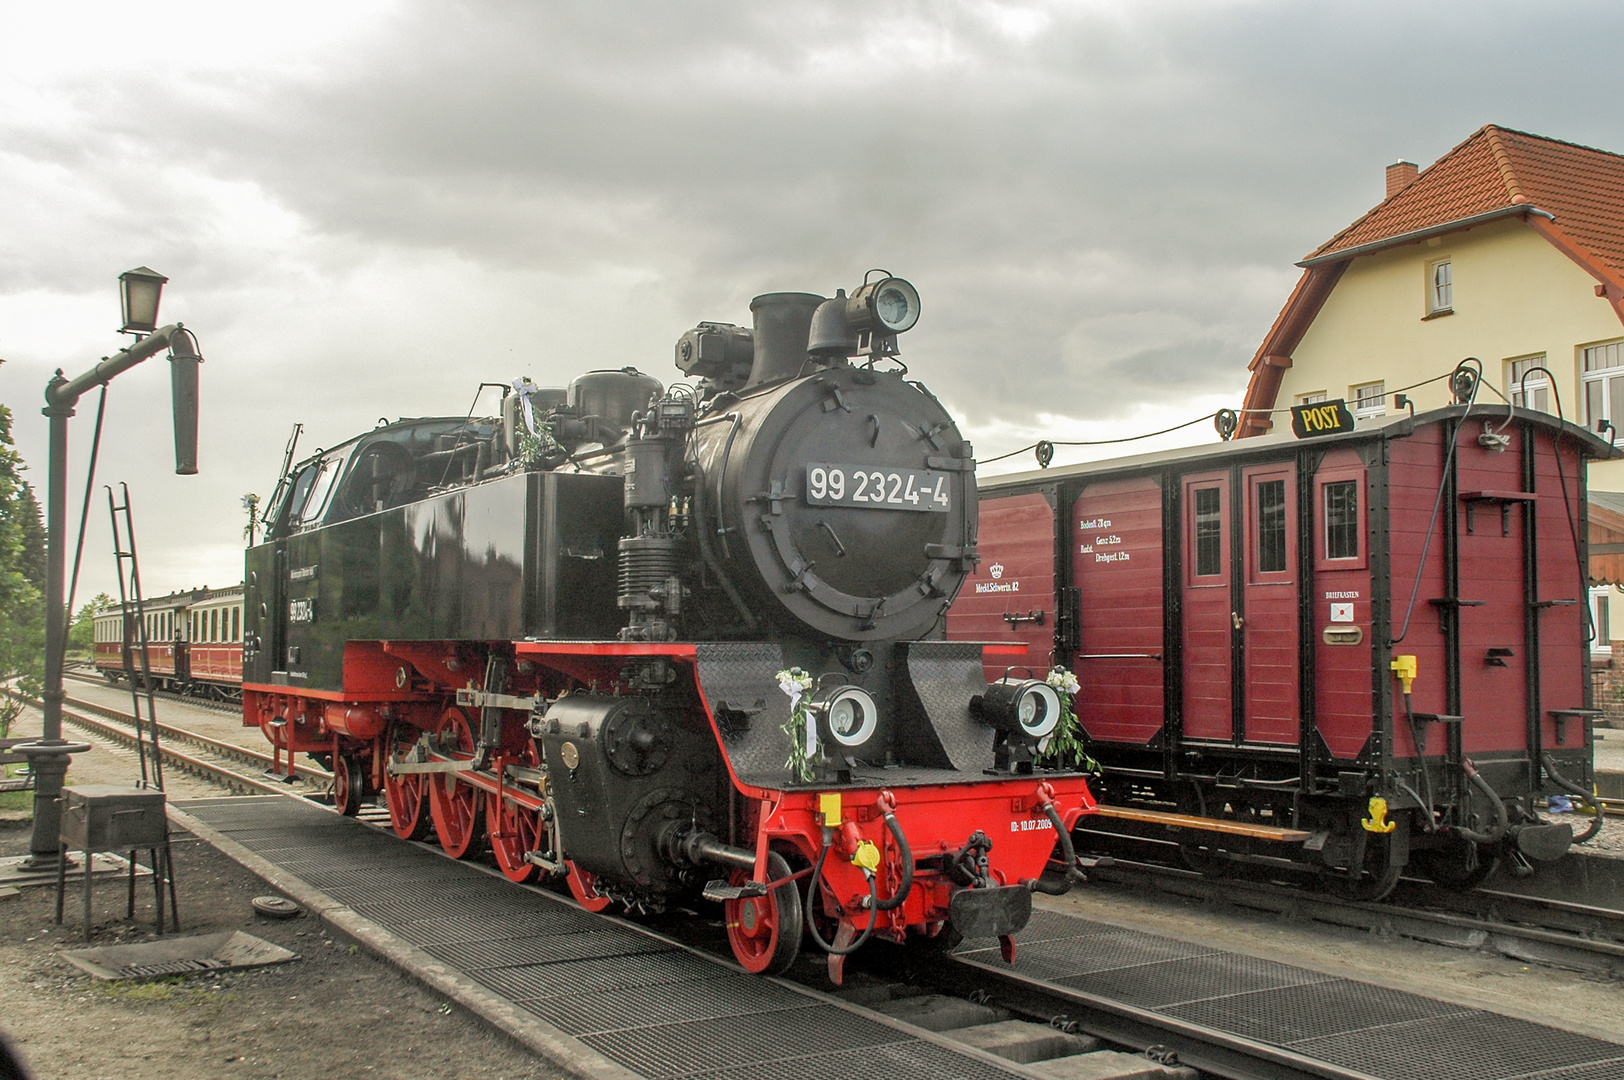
(1321, 418)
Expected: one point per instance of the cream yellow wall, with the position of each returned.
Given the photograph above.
(1514, 295)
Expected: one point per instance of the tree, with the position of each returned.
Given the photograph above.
(22, 566)
(82, 635)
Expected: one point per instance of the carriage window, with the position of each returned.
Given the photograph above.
(1271, 526)
(236, 624)
(1208, 527)
(214, 625)
(1342, 520)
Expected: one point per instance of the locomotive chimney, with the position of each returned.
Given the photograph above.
(783, 325)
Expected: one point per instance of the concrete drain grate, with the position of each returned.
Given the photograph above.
(178, 956)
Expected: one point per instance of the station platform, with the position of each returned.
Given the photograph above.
(599, 997)
(607, 999)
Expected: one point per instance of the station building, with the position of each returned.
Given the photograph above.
(1509, 248)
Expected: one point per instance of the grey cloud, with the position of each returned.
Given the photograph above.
(1100, 203)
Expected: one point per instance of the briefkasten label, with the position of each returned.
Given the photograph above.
(1321, 418)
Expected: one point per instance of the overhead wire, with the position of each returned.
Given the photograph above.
(1188, 423)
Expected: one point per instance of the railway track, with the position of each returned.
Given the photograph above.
(1558, 933)
(313, 774)
(1532, 929)
(210, 764)
(89, 675)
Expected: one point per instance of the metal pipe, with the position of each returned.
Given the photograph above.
(50, 761)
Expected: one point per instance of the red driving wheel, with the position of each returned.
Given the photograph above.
(408, 815)
(515, 829)
(458, 807)
(765, 931)
(348, 784)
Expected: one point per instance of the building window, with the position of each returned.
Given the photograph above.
(1342, 520)
(1529, 389)
(1603, 367)
(1601, 619)
(1208, 532)
(1271, 526)
(1370, 399)
(1312, 399)
(1440, 287)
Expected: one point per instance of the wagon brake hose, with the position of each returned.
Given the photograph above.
(1567, 785)
(1501, 824)
(811, 920)
(1067, 852)
(1426, 775)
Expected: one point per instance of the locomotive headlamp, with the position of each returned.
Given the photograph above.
(846, 715)
(139, 291)
(887, 306)
(1028, 707)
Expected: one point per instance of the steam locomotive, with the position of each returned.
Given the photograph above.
(673, 644)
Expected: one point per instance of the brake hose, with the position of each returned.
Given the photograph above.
(1589, 798)
(905, 853)
(1067, 852)
(1501, 824)
(811, 921)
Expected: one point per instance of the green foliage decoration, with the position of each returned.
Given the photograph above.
(1065, 748)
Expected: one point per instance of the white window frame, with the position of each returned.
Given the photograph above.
(1601, 600)
(1440, 294)
(1313, 399)
(1602, 377)
(1365, 411)
(1536, 384)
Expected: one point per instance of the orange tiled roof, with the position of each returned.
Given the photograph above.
(1497, 168)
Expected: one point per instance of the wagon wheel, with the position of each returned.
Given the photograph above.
(458, 806)
(407, 813)
(1377, 877)
(349, 783)
(765, 931)
(515, 829)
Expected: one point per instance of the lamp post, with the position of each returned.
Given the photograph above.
(48, 758)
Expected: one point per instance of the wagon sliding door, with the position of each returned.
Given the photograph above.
(1210, 610)
(1116, 557)
(1269, 616)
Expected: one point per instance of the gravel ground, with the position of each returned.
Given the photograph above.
(335, 1012)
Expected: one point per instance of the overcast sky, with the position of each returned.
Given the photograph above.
(366, 208)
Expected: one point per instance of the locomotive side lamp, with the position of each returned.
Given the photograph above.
(845, 714)
(140, 290)
(1028, 708)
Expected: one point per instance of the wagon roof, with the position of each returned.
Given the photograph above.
(1267, 446)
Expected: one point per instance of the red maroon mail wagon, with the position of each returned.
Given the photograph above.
(1245, 619)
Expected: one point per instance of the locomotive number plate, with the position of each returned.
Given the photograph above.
(879, 489)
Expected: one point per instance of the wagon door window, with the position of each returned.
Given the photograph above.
(1342, 519)
(1271, 526)
(1209, 523)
